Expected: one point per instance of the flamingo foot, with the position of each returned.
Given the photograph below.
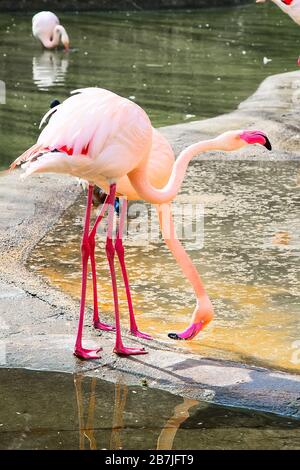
(123, 351)
(87, 353)
(189, 333)
(98, 325)
(139, 334)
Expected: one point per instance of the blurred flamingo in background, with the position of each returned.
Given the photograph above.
(46, 28)
(109, 141)
(291, 7)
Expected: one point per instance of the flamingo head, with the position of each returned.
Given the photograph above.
(66, 44)
(234, 140)
(64, 38)
(256, 137)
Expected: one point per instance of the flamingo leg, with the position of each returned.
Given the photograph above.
(89, 428)
(96, 322)
(78, 390)
(119, 247)
(118, 416)
(110, 252)
(203, 312)
(85, 253)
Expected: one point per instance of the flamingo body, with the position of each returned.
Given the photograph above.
(48, 30)
(115, 136)
(159, 166)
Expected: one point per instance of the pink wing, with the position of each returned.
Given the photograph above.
(94, 123)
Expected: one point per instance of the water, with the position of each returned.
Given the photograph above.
(179, 66)
(249, 263)
(94, 414)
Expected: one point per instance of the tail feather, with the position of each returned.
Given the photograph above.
(30, 154)
(47, 162)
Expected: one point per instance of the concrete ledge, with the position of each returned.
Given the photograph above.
(38, 322)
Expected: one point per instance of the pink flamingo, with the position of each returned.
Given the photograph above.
(109, 141)
(46, 28)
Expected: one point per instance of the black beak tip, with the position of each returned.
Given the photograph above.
(174, 336)
(54, 103)
(268, 144)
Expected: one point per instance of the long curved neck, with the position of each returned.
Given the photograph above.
(54, 40)
(140, 181)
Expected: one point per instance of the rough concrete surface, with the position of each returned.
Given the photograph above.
(38, 323)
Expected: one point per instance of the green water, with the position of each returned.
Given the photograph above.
(179, 66)
(61, 411)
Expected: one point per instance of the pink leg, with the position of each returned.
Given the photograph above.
(110, 252)
(85, 253)
(120, 252)
(97, 324)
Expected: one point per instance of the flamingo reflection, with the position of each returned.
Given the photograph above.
(165, 439)
(49, 69)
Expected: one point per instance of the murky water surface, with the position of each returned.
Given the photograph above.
(179, 66)
(61, 411)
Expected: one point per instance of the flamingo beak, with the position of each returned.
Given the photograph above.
(256, 137)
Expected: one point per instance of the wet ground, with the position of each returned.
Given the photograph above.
(64, 411)
(249, 262)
